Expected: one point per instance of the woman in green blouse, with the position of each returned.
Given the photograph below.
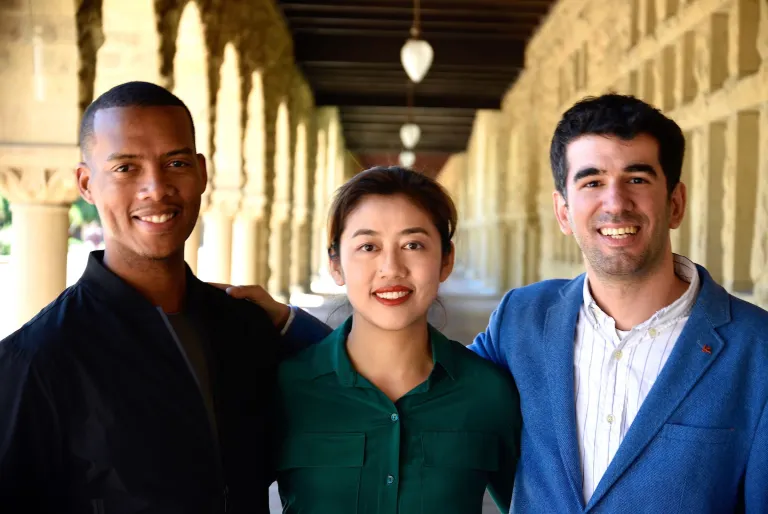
(386, 415)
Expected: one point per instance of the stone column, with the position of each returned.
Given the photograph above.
(280, 227)
(40, 196)
(250, 236)
(759, 264)
(320, 214)
(300, 223)
(218, 235)
(192, 246)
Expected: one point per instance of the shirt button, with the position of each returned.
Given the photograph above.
(394, 418)
(609, 419)
(618, 354)
(652, 332)
(390, 480)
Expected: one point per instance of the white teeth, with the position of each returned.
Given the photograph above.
(393, 295)
(618, 233)
(160, 218)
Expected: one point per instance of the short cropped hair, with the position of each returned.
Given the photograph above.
(622, 116)
(129, 94)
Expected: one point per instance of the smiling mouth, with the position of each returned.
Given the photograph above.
(620, 232)
(393, 295)
(158, 218)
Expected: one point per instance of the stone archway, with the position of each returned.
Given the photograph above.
(190, 80)
(227, 171)
(131, 49)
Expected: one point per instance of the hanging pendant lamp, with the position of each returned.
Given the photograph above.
(407, 158)
(416, 54)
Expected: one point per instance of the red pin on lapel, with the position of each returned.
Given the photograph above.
(707, 349)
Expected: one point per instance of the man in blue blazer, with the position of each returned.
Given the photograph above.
(643, 383)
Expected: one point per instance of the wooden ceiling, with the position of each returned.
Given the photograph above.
(349, 51)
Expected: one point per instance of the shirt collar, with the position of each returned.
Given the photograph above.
(685, 269)
(339, 363)
(112, 289)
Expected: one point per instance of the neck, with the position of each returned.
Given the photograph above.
(161, 281)
(633, 300)
(394, 361)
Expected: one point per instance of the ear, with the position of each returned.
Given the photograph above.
(448, 262)
(678, 201)
(203, 171)
(561, 213)
(336, 272)
(83, 175)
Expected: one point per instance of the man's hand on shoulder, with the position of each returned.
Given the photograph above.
(278, 312)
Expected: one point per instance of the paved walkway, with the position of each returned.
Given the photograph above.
(467, 307)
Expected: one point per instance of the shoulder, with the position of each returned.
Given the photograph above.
(43, 344)
(233, 309)
(531, 302)
(56, 324)
(494, 382)
(546, 291)
(308, 364)
(748, 327)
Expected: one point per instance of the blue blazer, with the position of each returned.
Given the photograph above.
(699, 443)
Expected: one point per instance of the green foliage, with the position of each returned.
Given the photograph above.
(5, 248)
(81, 213)
(5, 213)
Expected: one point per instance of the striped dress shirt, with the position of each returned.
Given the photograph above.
(615, 370)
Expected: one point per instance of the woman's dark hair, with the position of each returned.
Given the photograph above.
(622, 116)
(423, 191)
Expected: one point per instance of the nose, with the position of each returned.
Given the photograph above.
(155, 184)
(392, 264)
(617, 199)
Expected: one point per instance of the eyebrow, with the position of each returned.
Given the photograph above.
(117, 156)
(632, 168)
(405, 232)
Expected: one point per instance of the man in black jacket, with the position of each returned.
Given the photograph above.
(140, 389)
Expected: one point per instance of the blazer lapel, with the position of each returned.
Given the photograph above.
(695, 351)
(559, 333)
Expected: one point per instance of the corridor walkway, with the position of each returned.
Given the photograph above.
(467, 308)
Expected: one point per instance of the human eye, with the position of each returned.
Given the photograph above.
(414, 245)
(591, 184)
(367, 247)
(638, 180)
(123, 168)
(178, 164)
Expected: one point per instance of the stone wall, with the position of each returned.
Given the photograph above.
(704, 62)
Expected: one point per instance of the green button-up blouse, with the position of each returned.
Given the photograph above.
(345, 448)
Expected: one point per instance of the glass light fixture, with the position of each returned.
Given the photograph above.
(407, 158)
(410, 133)
(416, 56)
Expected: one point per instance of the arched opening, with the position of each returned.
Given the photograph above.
(131, 49)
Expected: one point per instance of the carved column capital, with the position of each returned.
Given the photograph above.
(39, 174)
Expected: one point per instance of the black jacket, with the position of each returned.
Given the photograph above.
(99, 412)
